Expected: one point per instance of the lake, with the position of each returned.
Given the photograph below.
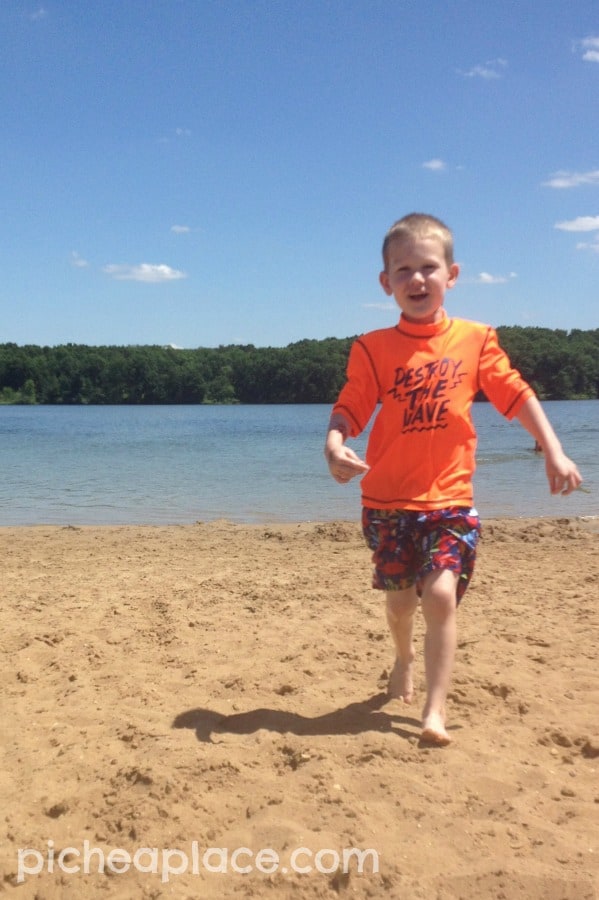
(74, 465)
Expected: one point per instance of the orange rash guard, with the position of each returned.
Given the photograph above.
(421, 450)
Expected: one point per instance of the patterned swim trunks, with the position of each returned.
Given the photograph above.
(408, 544)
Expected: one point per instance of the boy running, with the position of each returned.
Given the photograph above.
(418, 516)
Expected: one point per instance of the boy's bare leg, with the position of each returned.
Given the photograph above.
(400, 608)
(439, 609)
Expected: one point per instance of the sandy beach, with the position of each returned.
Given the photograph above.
(188, 688)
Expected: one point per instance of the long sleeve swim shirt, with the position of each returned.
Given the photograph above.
(421, 449)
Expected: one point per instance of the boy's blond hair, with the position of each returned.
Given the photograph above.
(420, 225)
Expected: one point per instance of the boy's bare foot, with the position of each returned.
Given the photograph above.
(401, 685)
(433, 730)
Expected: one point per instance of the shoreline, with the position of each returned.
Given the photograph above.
(276, 523)
(225, 684)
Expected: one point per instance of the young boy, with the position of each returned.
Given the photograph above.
(418, 517)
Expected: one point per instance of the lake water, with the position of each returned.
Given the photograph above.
(74, 465)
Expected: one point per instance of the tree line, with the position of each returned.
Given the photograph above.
(560, 365)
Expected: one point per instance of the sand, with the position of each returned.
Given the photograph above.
(223, 686)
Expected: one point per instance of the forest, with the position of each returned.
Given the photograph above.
(560, 365)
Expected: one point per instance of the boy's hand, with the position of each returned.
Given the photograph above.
(562, 473)
(344, 464)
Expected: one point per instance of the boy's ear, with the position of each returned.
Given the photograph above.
(454, 271)
(384, 281)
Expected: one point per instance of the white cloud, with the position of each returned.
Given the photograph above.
(494, 68)
(590, 49)
(180, 229)
(383, 306)
(146, 272)
(564, 179)
(40, 13)
(582, 223)
(179, 133)
(594, 245)
(77, 261)
(486, 278)
(435, 165)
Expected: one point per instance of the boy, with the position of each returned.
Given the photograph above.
(417, 516)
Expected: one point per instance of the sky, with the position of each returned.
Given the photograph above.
(198, 173)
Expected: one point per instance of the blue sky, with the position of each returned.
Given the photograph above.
(196, 173)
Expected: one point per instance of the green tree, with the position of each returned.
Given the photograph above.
(558, 364)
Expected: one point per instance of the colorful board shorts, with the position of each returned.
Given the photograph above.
(408, 544)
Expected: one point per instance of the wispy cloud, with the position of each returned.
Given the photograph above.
(493, 68)
(434, 165)
(180, 229)
(178, 134)
(384, 306)
(582, 223)
(487, 278)
(145, 272)
(564, 179)
(77, 261)
(40, 13)
(593, 245)
(590, 49)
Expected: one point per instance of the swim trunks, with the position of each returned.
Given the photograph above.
(408, 544)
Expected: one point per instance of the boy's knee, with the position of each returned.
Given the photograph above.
(439, 594)
(401, 604)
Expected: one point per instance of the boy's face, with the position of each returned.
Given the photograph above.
(417, 276)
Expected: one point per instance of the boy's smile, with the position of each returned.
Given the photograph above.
(417, 275)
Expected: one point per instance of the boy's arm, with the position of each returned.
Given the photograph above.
(344, 464)
(562, 473)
